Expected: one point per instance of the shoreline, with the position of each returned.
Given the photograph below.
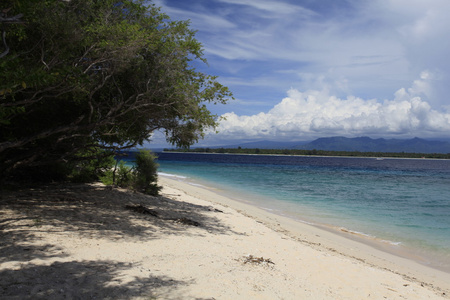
(436, 261)
(328, 238)
(86, 241)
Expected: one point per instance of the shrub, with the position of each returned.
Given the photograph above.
(125, 176)
(121, 175)
(146, 175)
(92, 169)
(142, 177)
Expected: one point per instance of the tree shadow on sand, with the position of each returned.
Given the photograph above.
(93, 211)
(98, 211)
(81, 280)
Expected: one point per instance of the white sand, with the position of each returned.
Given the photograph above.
(80, 242)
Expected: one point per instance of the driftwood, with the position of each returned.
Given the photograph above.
(142, 210)
(139, 208)
(187, 221)
(257, 260)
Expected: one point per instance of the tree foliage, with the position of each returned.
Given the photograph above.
(84, 75)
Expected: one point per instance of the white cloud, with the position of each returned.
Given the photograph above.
(276, 7)
(200, 19)
(314, 113)
(362, 48)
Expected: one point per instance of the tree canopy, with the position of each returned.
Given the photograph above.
(78, 76)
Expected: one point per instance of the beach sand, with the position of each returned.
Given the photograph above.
(94, 242)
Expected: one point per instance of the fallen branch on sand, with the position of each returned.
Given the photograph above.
(142, 209)
(139, 208)
(187, 221)
(257, 260)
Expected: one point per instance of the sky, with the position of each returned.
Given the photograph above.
(304, 69)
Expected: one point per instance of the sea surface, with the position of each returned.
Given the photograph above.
(404, 203)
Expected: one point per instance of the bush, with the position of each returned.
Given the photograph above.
(146, 173)
(121, 175)
(142, 177)
(89, 170)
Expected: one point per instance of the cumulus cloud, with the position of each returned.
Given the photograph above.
(324, 52)
(316, 113)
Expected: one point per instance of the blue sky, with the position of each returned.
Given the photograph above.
(305, 69)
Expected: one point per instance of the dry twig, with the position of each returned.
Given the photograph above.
(142, 209)
(257, 260)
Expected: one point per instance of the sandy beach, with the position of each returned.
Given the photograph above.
(94, 242)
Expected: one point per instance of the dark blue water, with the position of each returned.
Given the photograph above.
(403, 201)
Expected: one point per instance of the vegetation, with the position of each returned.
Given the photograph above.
(120, 175)
(313, 152)
(142, 177)
(81, 80)
(146, 173)
(88, 170)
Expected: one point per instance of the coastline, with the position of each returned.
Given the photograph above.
(301, 155)
(80, 241)
(395, 247)
(323, 238)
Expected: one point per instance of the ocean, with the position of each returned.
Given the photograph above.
(402, 203)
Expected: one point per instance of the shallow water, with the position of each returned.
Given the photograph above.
(401, 201)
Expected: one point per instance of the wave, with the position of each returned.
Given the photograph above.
(365, 235)
(171, 175)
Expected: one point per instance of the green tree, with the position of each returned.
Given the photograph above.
(88, 75)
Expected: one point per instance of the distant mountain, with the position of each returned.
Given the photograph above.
(366, 144)
(361, 144)
(265, 145)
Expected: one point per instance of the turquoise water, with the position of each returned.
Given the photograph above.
(404, 202)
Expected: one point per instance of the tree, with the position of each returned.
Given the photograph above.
(84, 75)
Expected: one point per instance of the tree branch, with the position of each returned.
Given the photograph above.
(4, 53)
(8, 20)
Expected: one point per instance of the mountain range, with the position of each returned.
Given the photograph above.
(361, 144)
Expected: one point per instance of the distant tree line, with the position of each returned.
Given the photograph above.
(313, 152)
